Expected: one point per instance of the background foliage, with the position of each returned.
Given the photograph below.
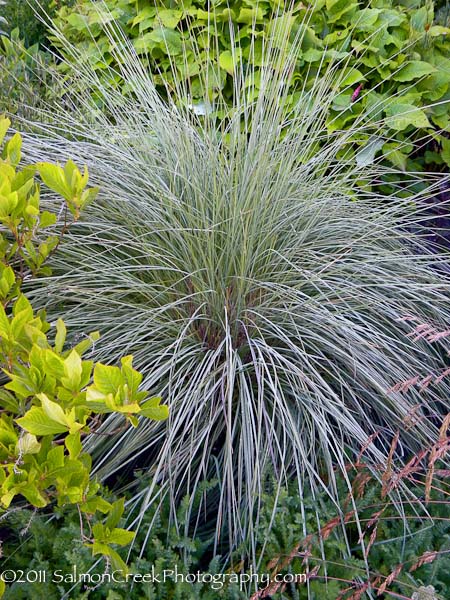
(46, 403)
(386, 48)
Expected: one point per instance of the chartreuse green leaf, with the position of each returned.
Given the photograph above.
(11, 151)
(28, 444)
(73, 445)
(132, 377)
(73, 371)
(107, 379)
(115, 514)
(60, 338)
(7, 280)
(169, 17)
(37, 422)
(53, 176)
(153, 409)
(48, 383)
(5, 124)
(53, 411)
(94, 504)
(5, 327)
(226, 62)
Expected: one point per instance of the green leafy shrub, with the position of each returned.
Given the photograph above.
(262, 278)
(385, 50)
(27, 16)
(48, 403)
(27, 76)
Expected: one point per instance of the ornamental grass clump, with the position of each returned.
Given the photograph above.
(257, 275)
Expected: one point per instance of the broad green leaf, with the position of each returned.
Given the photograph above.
(5, 124)
(366, 18)
(115, 514)
(132, 377)
(445, 150)
(414, 70)
(392, 153)
(97, 503)
(12, 149)
(96, 400)
(250, 15)
(54, 178)
(438, 30)
(351, 76)
(168, 39)
(53, 410)
(28, 444)
(312, 55)
(37, 422)
(226, 62)
(73, 369)
(366, 155)
(34, 496)
(60, 337)
(107, 379)
(5, 327)
(54, 364)
(78, 22)
(56, 459)
(122, 537)
(47, 219)
(399, 116)
(20, 320)
(169, 17)
(73, 445)
(153, 409)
